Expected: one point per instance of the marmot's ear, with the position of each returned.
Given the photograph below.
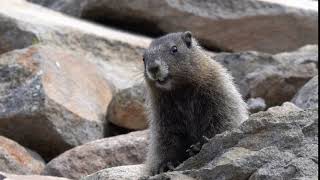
(187, 38)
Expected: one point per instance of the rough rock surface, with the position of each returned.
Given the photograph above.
(131, 172)
(16, 159)
(53, 97)
(307, 97)
(83, 160)
(283, 109)
(6, 176)
(233, 25)
(275, 78)
(278, 144)
(118, 54)
(127, 108)
(41, 93)
(70, 7)
(281, 143)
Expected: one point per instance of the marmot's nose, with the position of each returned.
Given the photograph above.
(154, 69)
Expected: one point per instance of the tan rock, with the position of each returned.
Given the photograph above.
(127, 109)
(28, 177)
(60, 52)
(18, 160)
(117, 53)
(89, 158)
(51, 99)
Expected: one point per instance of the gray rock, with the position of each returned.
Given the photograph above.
(275, 78)
(121, 172)
(284, 109)
(221, 24)
(307, 97)
(110, 152)
(18, 160)
(127, 110)
(7, 176)
(269, 145)
(13, 37)
(256, 104)
(70, 7)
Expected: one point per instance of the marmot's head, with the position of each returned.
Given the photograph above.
(170, 61)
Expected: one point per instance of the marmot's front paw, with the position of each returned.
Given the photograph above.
(195, 148)
(167, 166)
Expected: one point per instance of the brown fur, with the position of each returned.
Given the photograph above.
(189, 96)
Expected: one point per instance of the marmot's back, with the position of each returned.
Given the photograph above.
(189, 96)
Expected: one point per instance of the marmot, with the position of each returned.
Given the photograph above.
(189, 96)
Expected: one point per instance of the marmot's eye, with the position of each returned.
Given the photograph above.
(143, 59)
(174, 49)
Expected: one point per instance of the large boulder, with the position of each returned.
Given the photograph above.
(277, 144)
(6, 176)
(18, 160)
(51, 99)
(307, 97)
(127, 110)
(232, 25)
(117, 53)
(275, 78)
(56, 89)
(83, 160)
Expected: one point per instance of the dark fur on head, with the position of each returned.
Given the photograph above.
(189, 96)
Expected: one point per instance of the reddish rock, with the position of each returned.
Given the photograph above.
(18, 160)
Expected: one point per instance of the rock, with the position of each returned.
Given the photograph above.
(305, 54)
(269, 145)
(5, 176)
(256, 104)
(70, 7)
(275, 78)
(51, 96)
(126, 109)
(117, 53)
(83, 160)
(307, 97)
(284, 109)
(121, 172)
(13, 37)
(229, 25)
(114, 130)
(16, 159)
(66, 106)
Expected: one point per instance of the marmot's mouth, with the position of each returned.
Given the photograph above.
(162, 81)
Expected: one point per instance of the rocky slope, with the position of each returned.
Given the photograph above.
(281, 143)
(71, 90)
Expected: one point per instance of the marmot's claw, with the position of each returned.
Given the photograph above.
(194, 149)
(144, 178)
(206, 139)
(169, 166)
